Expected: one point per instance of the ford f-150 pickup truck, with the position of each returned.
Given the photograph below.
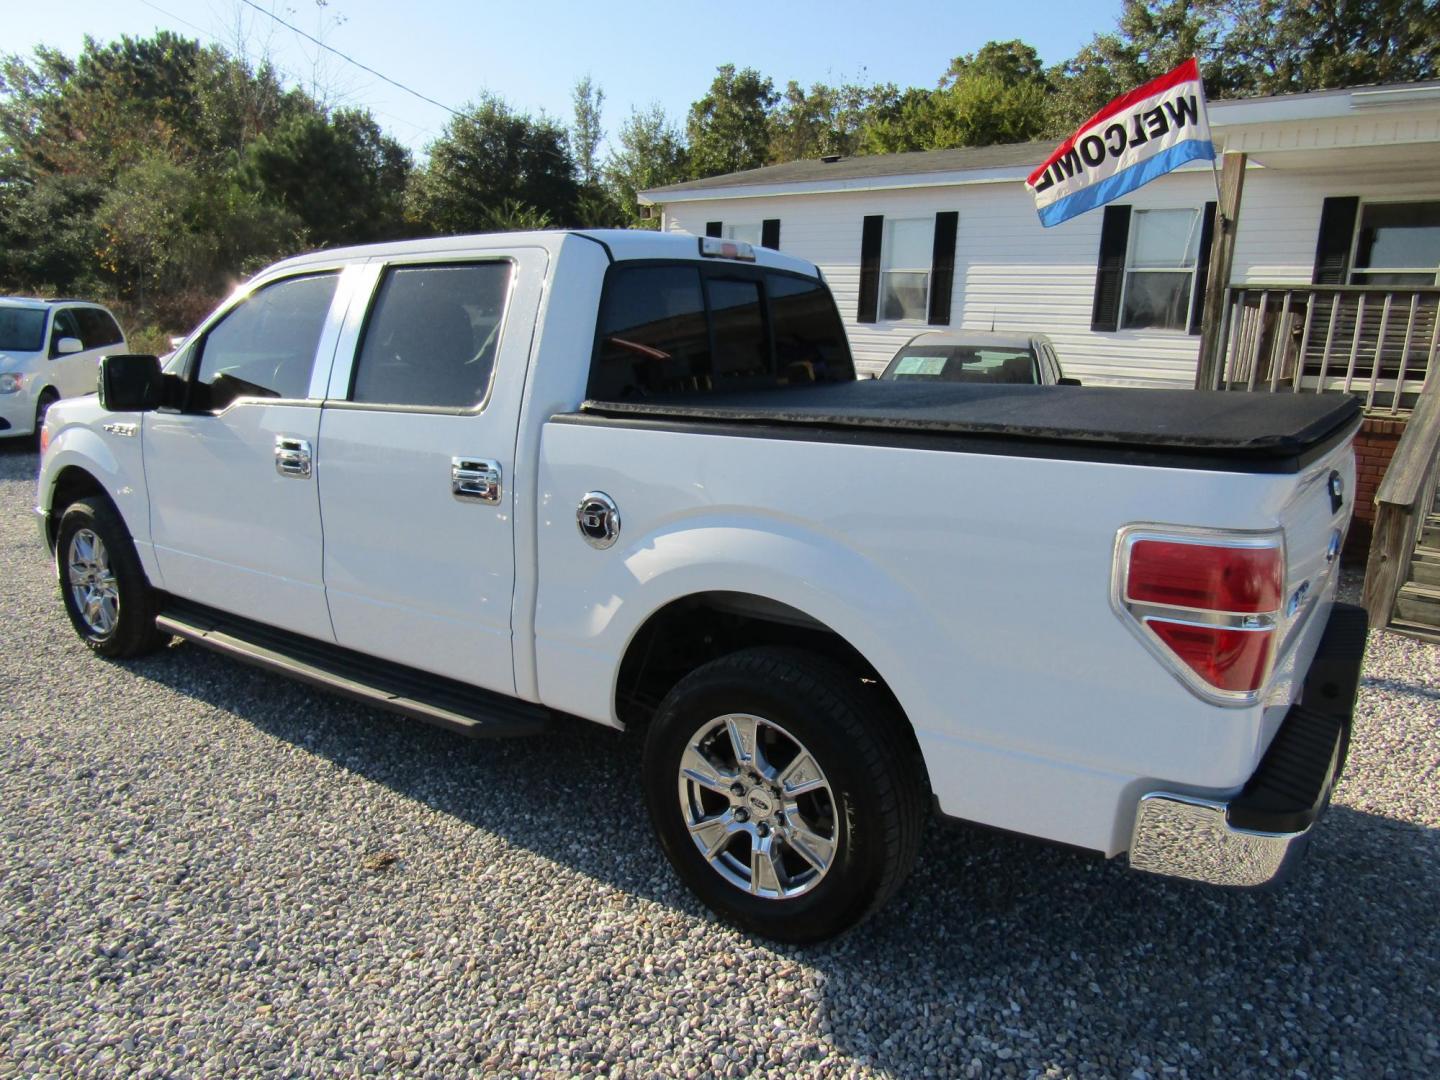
(496, 481)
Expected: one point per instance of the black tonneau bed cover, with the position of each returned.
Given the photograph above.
(1262, 429)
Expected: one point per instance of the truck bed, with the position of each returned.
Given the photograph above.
(1251, 432)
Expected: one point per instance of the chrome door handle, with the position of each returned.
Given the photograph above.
(292, 457)
(475, 479)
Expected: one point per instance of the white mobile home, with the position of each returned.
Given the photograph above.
(1341, 191)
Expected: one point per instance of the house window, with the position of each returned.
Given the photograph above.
(746, 234)
(905, 269)
(1160, 269)
(1397, 244)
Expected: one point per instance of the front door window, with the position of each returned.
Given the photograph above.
(265, 347)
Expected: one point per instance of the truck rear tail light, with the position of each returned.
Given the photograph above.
(1207, 604)
(1247, 580)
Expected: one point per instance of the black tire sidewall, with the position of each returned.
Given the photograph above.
(851, 881)
(130, 630)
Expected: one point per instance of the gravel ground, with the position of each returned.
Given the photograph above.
(206, 870)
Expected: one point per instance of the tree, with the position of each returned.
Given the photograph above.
(728, 128)
(651, 154)
(487, 155)
(341, 176)
(585, 136)
(823, 120)
(1153, 37)
(166, 232)
(1012, 62)
(1285, 46)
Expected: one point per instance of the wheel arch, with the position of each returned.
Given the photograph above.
(70, 484)
(688, 631)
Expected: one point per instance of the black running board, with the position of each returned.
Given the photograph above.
(444, 702)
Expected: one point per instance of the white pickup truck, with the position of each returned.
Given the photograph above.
(494, 481)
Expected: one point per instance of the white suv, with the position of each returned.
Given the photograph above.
(49, 349)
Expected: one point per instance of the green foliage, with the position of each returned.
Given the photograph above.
(164, 230)
(511, 215)
(824, 120)
(1012, 62)
(728, 128)
(339, 175)
(586, 134)
(489, 155)
(651, 154)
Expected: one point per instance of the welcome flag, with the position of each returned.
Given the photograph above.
(1137, 137)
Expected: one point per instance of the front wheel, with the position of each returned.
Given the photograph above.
(784, 793)
(102, 583)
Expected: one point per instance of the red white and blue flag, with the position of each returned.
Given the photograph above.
(1140, 135)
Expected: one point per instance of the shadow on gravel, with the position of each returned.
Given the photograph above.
(1236, 980)
(19, 460)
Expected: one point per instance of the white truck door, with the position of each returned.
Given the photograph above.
(417, 485)
(234, 512)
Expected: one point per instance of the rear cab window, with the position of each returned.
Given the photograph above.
(686, 328)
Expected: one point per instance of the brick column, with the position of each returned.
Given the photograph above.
(1374, 447)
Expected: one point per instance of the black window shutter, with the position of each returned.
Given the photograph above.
(1332, 249)
(1202, 271)
(1110, 271)
(770, 233)
(870, 268)
(712, 228)
(942, 267)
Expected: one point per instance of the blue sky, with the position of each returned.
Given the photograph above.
(531, 53)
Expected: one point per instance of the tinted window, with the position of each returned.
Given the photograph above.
(742, 347)
(810, 342)
(265, 347)
(22, 329)
(962, 363)
(653, 334)
(97, 328)
(64, 326)
(656, 332)
(432, 336)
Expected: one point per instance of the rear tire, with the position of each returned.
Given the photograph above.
(103, 586)
(807, 837)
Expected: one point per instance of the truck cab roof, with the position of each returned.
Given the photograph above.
(621, 245)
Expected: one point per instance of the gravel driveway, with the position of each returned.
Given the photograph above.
(207, 870)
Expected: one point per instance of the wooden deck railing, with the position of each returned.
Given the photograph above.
(1374, 341)
(1404, 498)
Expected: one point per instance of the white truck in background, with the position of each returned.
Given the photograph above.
(630, 477)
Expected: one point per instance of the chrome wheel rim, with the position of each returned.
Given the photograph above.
(758, 806)
(92, 582)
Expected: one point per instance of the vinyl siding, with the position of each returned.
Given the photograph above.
(1012, 274)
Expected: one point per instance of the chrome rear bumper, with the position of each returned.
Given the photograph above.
(1182, 836)
(1259, 836)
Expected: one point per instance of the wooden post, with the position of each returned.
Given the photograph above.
(1222, 258)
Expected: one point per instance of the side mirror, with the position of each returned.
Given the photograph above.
(130, 382)
(1067, 382)
(68, 346)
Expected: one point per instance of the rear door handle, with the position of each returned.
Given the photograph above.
(475, 480)
(292, 457)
